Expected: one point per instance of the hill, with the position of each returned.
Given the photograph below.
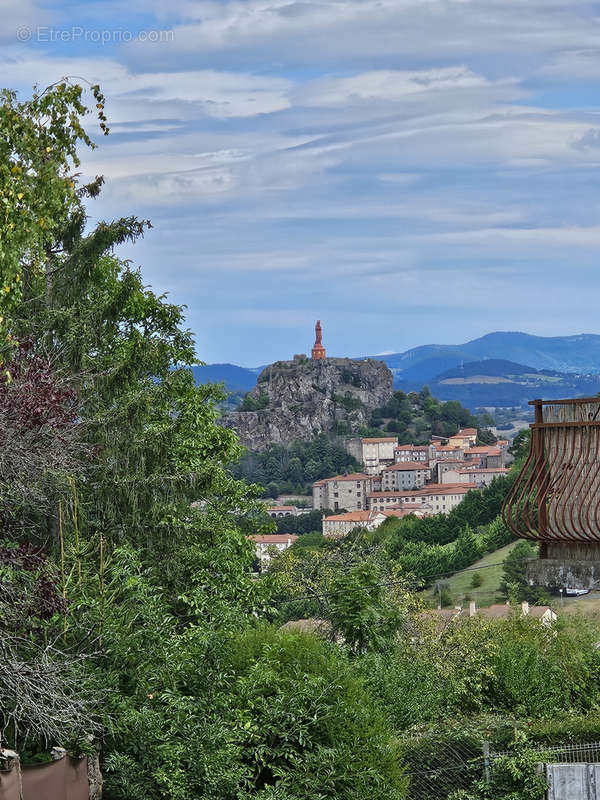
(556, 366)
(301, 398)
(578, 354)
(234, 377)
(496, 382)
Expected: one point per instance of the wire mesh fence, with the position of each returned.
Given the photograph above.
(439, 767)
(588, 752)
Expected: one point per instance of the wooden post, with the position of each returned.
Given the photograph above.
(486, 761)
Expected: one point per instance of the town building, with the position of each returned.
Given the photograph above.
(545, 614)
(271, 544)
(484, 456)
(405, 475)
(482, 476)
(282, 511)
(466, 437)
(418, 509)
(378, 453)
(346, 492)
(342, 524)
(441, 467)
(413, 452)
(441, 498)
(446, 452)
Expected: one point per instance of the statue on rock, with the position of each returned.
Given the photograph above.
(318, 351)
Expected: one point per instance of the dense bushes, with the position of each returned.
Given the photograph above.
(282, 469)
(515, 666)
(416, 416)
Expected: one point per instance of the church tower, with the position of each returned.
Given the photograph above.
(318, 351)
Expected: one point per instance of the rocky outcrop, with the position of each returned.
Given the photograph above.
(301, 398)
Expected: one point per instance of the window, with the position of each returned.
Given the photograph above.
(336, 494)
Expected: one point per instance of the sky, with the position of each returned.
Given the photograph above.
(408, 171)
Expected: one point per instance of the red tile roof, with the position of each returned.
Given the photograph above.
(353, 516)
(380, 439)
(490, 450)
(475, 470)
(406, 465)
(432, 488)
(354, 476)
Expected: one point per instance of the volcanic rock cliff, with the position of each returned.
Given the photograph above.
(301, 398)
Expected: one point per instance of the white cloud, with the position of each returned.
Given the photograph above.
(388, 85)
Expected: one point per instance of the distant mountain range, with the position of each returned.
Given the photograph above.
(235, 378)
(496, 382)
(499, 369)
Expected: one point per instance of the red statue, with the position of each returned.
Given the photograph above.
(318, 351)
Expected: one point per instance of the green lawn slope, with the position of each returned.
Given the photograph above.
(490, 569)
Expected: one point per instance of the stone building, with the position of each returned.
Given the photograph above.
(404, 476)
(347, 492)
(466, 437)
(378, 453)
(282, 511)
(482, 476)
(485, 456)
(413, 452)
(342, 524)
(441, 498)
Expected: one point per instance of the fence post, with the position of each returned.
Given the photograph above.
(486, 761)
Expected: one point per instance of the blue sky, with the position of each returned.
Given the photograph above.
(409, 171)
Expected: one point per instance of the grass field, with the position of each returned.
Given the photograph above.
(490, 569)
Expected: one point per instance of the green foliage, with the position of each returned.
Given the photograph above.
(477, 580)
(515, 666)
(302, 524)
(250, 403)
(294, 468)
(514, 584)
(39, 143)
(485, 436)
(307, 723)
(311, 540)
(347, 401)
(519, 448)
(516, 776)
(359, 611)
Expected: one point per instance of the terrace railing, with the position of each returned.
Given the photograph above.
(556, 497)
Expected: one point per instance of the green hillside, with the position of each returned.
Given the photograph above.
(490, 569)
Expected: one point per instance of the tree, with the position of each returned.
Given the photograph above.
(39, 141)
(485, 436)
(157, 607)
(466, 549)
(359, 611)
(514, 584)
(519, 448)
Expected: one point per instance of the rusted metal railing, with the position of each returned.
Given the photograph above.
(556, 496)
